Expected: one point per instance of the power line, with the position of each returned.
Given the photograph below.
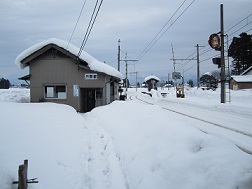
(82, 44)
(240, 28)
(161, 29)
(90, 26)
(77, 22)
(154, 41)
(239, 22)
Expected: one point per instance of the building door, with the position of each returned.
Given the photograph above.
(87, 99)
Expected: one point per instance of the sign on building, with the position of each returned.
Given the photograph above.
(75, 90)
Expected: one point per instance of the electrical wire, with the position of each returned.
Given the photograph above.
(154, 41)
(83, 5)
(90, 26)
(162, 29)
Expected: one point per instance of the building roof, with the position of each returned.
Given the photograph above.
(152, 77)
(247, 71)
(242, 78)
(93, 63)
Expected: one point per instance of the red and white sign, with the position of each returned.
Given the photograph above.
(214, 41)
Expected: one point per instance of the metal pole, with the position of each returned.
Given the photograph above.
(119, 55)
(223, 92)
(198, 67)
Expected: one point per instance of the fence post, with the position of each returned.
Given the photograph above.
(22, 175)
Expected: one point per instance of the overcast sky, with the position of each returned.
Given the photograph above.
(24, 23)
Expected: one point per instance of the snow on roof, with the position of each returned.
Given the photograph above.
(247, 70)
(208, 73)
(151, 77)
(93, 63)
(242, 78)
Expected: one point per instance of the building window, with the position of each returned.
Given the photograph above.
(91, 76)
(55, 91)
(98, 92)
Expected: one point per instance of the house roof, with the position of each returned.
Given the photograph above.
(93, 63)
(151, 77)
(242, 78)
(246, 71)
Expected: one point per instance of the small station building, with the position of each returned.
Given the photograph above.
(59, 74)
(151, 82)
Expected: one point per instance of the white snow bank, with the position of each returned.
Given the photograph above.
(122, 145)
(51, 137)
(94, 64)
(157, 149)
(15, 95)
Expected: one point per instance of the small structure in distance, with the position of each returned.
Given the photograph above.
(151, 81)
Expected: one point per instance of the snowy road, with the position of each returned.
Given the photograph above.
(222, 121)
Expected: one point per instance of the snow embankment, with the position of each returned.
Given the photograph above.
(15, 95)
(51, 137)
(157, 149)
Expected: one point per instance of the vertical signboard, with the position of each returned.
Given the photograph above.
(75, 90)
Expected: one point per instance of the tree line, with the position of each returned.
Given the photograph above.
(241, 51)
(4, 83)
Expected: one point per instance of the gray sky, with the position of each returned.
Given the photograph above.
(24, 23)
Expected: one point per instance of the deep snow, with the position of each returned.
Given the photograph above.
(127, 144)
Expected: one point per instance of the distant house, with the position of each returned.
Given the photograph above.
(151, 81)
(57, 74)
(243, 81)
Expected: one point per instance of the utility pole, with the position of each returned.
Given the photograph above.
(126, 67)
(136, 78)
(118, 57)
(198, 66)
(175, 83)
(126, 73)
(126, 62)
(223, 80)
(198, 63)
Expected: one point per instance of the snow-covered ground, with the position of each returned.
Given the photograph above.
(128, 144)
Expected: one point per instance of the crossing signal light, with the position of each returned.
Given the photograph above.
(217, 61)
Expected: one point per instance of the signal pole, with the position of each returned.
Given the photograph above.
(223, 80)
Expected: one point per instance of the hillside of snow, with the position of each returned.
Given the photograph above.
(127, 144)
